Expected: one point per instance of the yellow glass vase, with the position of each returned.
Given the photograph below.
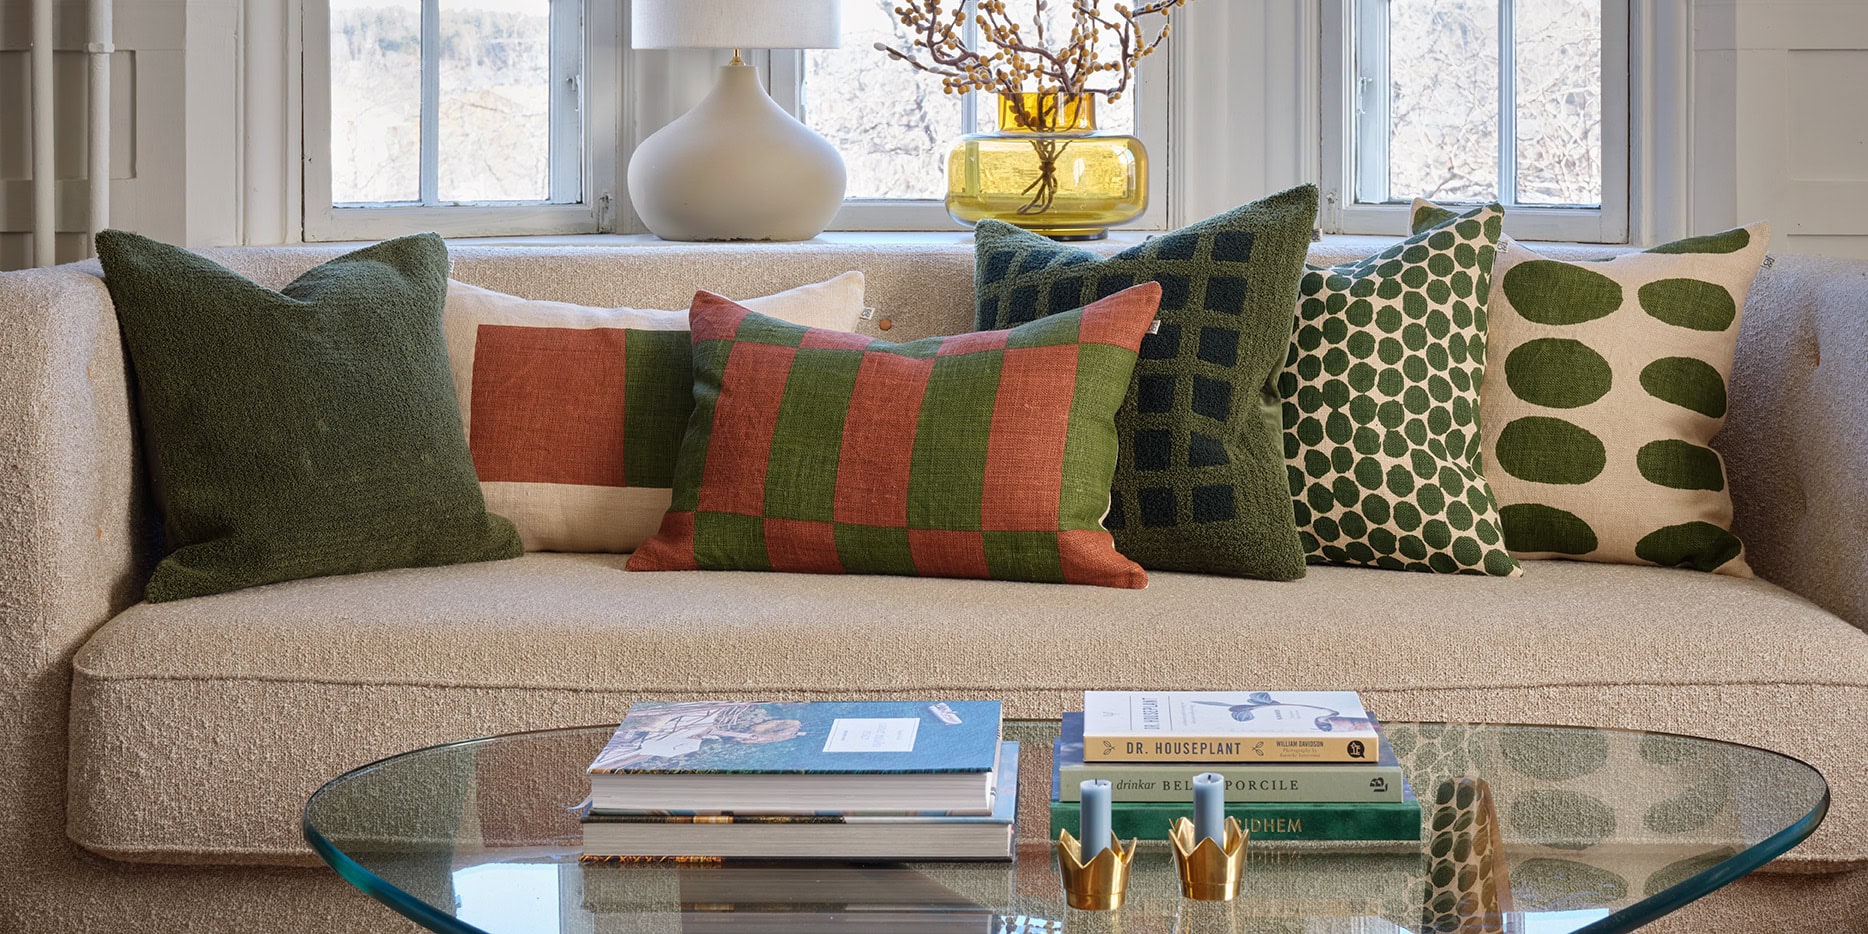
(1048, 170)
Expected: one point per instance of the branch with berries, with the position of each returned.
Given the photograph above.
(1013, 60)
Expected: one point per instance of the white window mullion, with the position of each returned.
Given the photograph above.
(567, 135)
(1371, 97)
(1507, 103)
(431, 101)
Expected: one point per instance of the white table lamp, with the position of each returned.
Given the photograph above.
(736, 167)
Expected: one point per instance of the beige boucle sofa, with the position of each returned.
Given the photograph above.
(154, 758)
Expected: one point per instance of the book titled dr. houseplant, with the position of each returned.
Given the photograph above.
(1228, 726)
(839, 757)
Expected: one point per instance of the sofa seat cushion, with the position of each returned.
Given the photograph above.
(199, 727)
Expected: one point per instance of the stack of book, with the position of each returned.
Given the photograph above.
(1298, 765)
(826, 780)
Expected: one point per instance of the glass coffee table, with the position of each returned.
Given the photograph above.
(1600, 831)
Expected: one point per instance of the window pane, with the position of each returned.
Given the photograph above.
(495, 120)
(376, 100)
(1559, 93)
(891, 123)
(1443, 104)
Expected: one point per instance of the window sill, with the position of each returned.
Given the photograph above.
(1331, 248)
(1118, 239)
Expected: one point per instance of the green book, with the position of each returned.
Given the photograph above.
(1263, 820)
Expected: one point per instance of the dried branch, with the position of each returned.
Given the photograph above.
(1015, 62)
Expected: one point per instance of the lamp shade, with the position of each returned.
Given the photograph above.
(736, 24)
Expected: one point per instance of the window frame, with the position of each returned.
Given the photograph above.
(1344, 118)
(582, 201)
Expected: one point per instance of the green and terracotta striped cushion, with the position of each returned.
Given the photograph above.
(983, 455)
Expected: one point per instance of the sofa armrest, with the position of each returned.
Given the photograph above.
(73, 532)
(1796, 440)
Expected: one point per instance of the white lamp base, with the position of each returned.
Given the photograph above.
(736, 167)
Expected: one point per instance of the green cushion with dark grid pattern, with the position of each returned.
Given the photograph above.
(984, 455)
(1200, 483)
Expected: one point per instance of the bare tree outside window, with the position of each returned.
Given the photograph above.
(1559, 101)
(1444, 73)
(493, 120)
(376, 100)
(892, 125)
(495, 100)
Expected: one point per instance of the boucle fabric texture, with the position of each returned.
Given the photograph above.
(1381, 406)
(985, 455)
(574, 414)
(1610, 382)
(1200, 484)
(78, 550)
(300, 432)
(554, 640)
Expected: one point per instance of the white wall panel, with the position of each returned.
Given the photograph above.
(1785, 83)
(174, 124)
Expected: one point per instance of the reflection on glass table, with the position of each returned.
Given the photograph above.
(1598, 831)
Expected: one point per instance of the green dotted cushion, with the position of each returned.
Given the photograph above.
(1614, 383)
(1199, 485)
(1381, 406)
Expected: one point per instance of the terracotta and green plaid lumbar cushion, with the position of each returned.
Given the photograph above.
(1598, 436)
(983, 455)
(1381, 406)
(1200, 485)
(301, 432)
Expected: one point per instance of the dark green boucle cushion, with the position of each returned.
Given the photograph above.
(303, 432)
(1200, 484)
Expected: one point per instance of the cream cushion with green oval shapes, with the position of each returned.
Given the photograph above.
(1607, 385)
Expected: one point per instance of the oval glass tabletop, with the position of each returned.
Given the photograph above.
(1598, 831)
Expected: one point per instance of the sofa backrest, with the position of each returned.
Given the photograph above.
(919, 285)
(1795, 445)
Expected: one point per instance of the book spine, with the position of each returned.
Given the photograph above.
(1260, 783)
(1263, 821)
(1230, 749)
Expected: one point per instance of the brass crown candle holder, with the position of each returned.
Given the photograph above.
(1100, 884)
(1208, 872)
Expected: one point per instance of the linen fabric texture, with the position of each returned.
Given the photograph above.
(1614, 382)
(1200, 482)
(302, 432)
(1381, 406)
(982, 455)
(575, 414)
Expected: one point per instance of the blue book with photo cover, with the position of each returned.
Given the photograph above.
(808, 738)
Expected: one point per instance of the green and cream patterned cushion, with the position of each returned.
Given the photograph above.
(1381, 406)
(1598, 435)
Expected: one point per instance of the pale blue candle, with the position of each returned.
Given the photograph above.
(1094, 817)
(1209, 808)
